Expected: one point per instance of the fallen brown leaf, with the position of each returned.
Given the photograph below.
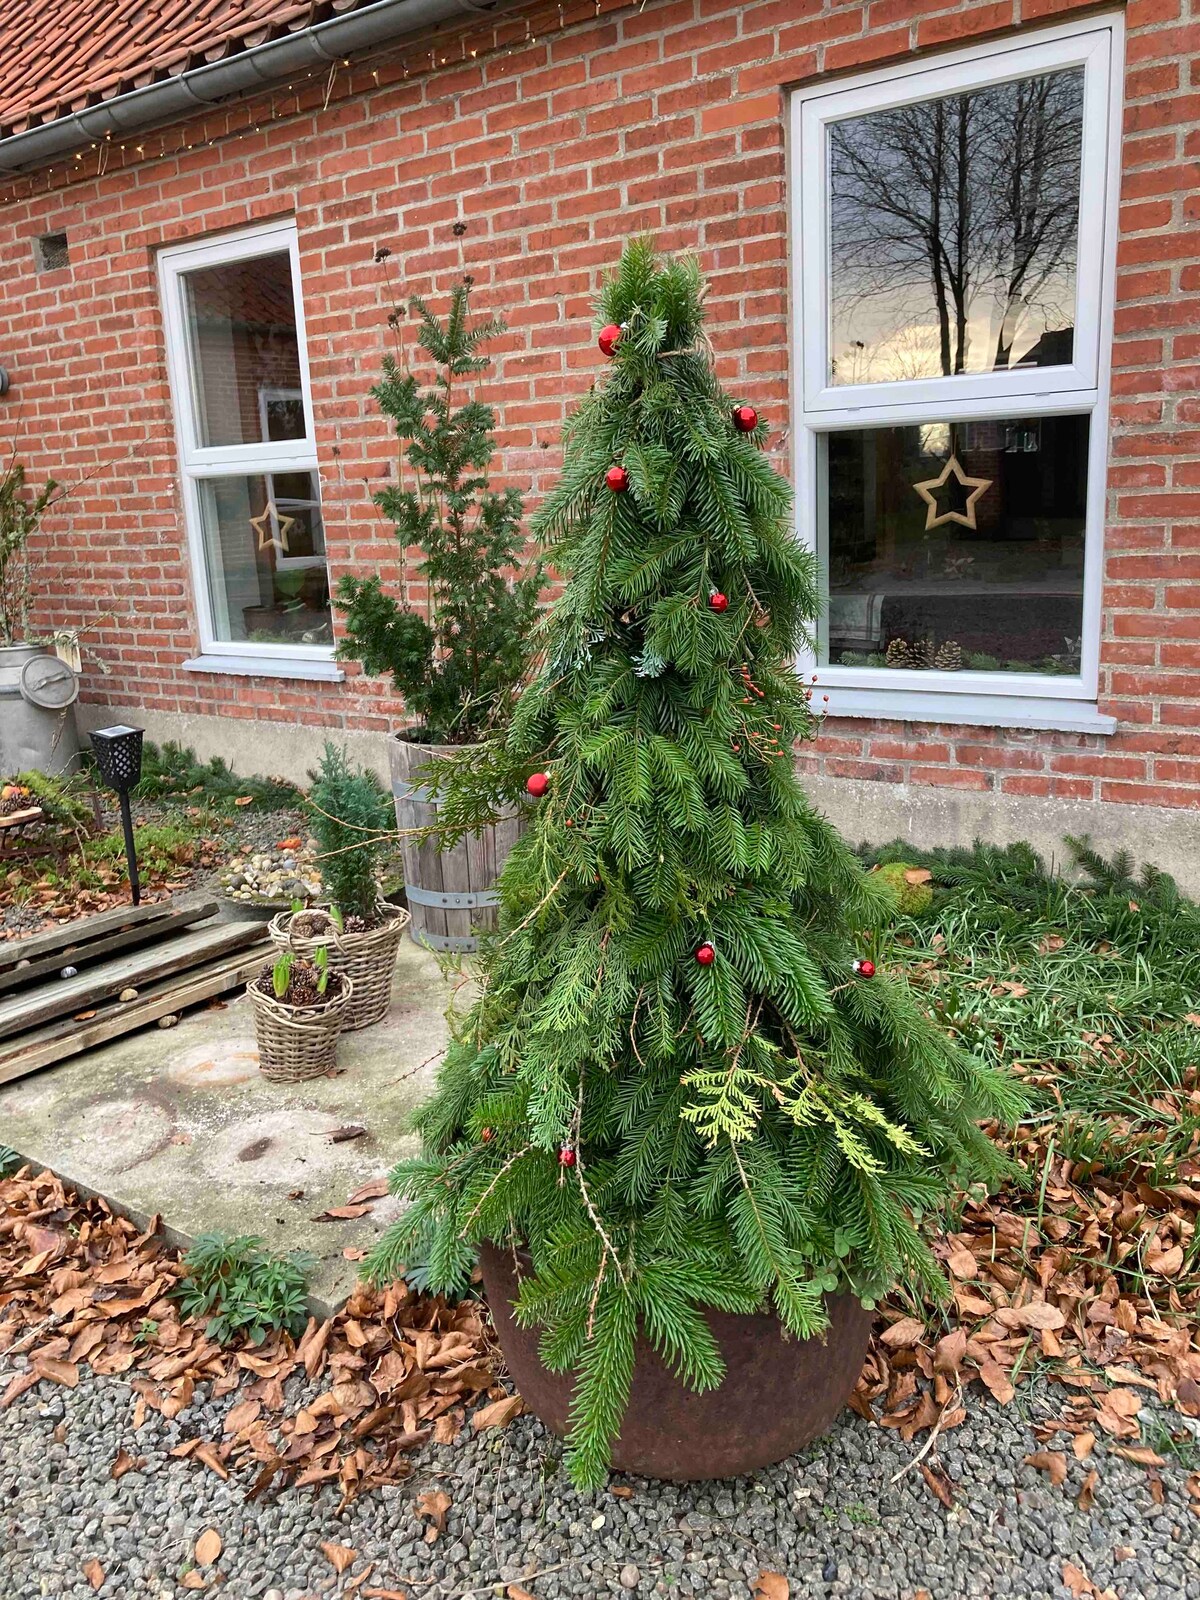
(498, 1414)
(93, 1572)
(208, 1548)
(907, 1331)
(1052, 1462)
(772, 1586)
(433, 1505)
(123, 1462)
(1087, 1490)
(339, 1556)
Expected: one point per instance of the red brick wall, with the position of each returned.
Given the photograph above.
(553, 135)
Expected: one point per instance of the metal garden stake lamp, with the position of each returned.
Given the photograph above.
(118, 754)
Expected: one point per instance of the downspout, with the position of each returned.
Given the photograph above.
(331, 41)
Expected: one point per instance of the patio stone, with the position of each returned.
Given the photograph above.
(181, 1123)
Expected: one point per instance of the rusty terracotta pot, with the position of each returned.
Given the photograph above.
(778, 1392)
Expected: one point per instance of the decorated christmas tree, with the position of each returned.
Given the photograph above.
(684, 1083)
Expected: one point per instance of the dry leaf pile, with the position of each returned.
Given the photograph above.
(393, 1369)
(1084, 1277)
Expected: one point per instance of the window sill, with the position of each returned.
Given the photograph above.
(314, 670)
(970, 710)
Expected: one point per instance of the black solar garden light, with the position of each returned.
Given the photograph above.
(118, 754)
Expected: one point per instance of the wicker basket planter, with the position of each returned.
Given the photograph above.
(298, 1042)
(450, 892)
(368, 959)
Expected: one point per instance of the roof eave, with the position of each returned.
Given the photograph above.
(336, 39)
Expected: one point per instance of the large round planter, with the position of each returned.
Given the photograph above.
(450, 893)
(32, 736)
(778, 1392)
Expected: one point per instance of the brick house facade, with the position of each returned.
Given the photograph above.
(554, 132)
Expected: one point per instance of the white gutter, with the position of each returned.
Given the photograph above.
(180, 96)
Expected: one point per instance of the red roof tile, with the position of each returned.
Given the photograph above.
(58, 56)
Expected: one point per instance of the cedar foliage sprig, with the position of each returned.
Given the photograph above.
(458, 666)
(760, 1132)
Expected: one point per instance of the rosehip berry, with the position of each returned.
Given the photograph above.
(487, 1135)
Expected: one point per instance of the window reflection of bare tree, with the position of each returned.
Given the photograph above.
(953, 222)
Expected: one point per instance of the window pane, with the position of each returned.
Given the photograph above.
(958, 546)
(244, 354)
(264, 548)
(953, 232)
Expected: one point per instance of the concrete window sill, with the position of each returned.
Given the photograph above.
(316, 670)
(971, 710)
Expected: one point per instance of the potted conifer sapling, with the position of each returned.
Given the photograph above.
(352, 823)
(689, 1126)
(299, 1008)
(458, 659)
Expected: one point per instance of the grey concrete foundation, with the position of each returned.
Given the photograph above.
(879, 812)
(181, 1124)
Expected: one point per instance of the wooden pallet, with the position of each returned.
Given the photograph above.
(157, 950)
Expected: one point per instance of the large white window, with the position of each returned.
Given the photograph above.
(954, 229)
(252, 500)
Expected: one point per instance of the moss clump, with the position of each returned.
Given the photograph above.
(911, 898)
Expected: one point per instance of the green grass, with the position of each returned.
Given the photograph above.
(1083, 985)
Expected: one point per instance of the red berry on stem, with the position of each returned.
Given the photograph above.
(566, 1156)
(865, 967)
(537, 783)
(617, 479)
(706, 955)
(610, 338)
(486, 1135)
(745, 419)
(718, 601)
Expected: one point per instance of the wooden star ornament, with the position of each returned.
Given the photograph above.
(265, 525)
(935, 516)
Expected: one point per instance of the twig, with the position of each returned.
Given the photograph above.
(929, 1443)
(524, 1151)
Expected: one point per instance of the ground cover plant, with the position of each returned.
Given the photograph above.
(684, 1085)
(243, 1288)
(173, 772)
(1081, 1270)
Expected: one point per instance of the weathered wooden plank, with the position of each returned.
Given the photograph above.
(57, 1041)
(50, 998)
(76, 934)
(24, 974)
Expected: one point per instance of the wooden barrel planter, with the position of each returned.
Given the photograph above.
(779, 1392)
(450, 893)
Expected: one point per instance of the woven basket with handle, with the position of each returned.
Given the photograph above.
(298, 1042)
(368, 959)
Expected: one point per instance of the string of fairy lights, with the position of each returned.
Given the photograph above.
(294, 100)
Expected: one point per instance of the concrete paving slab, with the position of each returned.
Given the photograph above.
(180, 1123)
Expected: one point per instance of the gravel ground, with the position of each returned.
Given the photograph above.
(831, 1520)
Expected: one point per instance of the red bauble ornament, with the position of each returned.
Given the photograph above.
(566, 1156)
(718, 601)
(610, 338)
(864, 967)
(486, 1135)
(617, 479)
(537, 783)
(706, 955)
(745, 419)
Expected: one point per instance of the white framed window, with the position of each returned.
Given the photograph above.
(239, 379)
(954, 227)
